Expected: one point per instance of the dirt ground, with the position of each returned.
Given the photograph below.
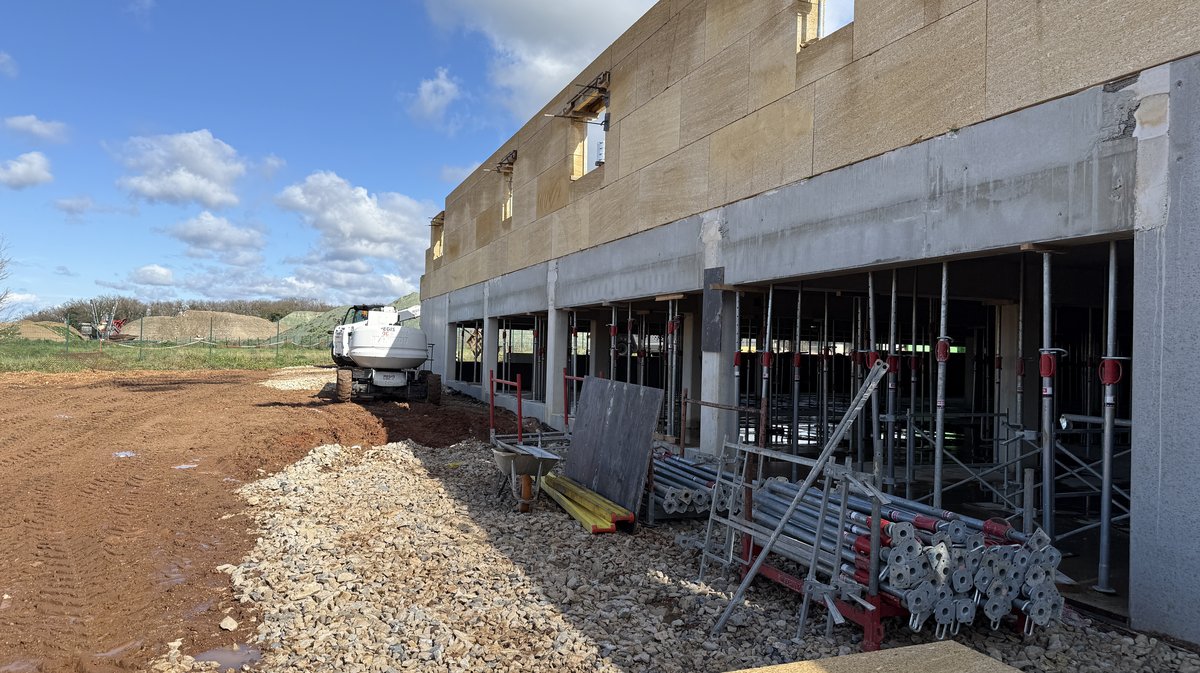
(117, 504)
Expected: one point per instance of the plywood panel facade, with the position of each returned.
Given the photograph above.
(908, 91)
(718, 100)
(1044, 49)
(879, 23)
(716, 93)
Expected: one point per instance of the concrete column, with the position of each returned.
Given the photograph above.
(693, 370)
(717, 343)
(601, 344)
(1164, 595)
(490, 356)
(557, 336)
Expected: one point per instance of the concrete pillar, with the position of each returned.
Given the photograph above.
(1164, 595)
(557, 336)
(717, 344)
(445, 355)
(693, 370)
(601, 345)
(491, 351)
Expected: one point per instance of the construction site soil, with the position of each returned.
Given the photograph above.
(117, 501)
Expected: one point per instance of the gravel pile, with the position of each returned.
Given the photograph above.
(301, 378)
(402, 557)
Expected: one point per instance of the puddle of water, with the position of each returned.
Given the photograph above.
(185, 466)
(199, 609)
(124, 454)
(236, 657)
(174, 573)
(118, 649)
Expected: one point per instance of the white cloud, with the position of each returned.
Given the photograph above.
(75, 207)
(183, 168)
(356, 226)
(8, 66)
(208, 235)
(22, 298)
(316, 282)
(434, 96)
(354, 223)
(538, 46)
(152, 274)
(271, 165)
(54, 132)
(456, 174)
(27, 170)
(64, 271)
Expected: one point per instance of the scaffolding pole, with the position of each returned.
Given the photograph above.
(1046, 366)
(913, 387)
(943, 355)
(892, 391)
(872, 356)
(796, 383)
(1110, 375)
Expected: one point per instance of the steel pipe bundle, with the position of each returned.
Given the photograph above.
(935, 563)
(683, 486)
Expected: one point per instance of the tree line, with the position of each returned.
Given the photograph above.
(120, 307)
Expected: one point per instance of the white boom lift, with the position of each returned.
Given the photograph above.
(378, 357)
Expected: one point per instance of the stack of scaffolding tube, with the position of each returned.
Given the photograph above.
(933, 563)
(682, 486)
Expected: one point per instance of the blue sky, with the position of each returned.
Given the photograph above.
(169, 149)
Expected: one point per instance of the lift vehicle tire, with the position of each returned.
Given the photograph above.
(345, 383)
(433, 392)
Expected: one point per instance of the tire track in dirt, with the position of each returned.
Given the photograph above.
(107, 558)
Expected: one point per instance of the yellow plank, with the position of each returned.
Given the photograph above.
(590, 522)
(942, 657)
(603, 507)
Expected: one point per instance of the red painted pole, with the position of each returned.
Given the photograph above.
(492, 402)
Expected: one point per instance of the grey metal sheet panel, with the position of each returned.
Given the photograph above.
(611, 444)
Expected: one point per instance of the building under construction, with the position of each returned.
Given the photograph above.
(993, 196)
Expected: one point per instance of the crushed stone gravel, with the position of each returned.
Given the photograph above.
(403, 557)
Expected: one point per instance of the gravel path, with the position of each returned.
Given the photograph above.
(402, 557)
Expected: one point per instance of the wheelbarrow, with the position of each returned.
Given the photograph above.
(522, 467)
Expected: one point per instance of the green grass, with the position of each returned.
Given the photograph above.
(52, 356)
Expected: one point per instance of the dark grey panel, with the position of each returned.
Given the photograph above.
(711, 327)
(610, 445)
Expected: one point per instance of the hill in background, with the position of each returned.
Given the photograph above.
(316, 331)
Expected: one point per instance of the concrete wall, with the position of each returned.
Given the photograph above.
(1062, 170)
(713, 101)
(1164, 593)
